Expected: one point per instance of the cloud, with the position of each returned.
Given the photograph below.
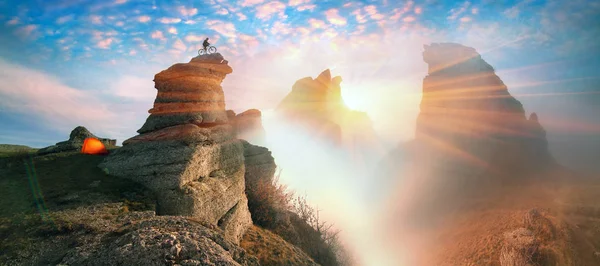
(455, 12)
(409, 19)
(360, 18)
(173, 30)
(34, 93)
(119, 2)
(158, 35)
(64, 19)
(95, 19)
(241, 16)
(27, 32)
(13, 21)
(266, 11)
(316, 24)
(372, 11)
(133, 87)
(187, 12)
(306, 7)
(226, 29)
(104, 44)
(251, 2)
(143, 19)
(465, 19)
(334, 17)
(298, 2)
(194, 38)
(179, 45)
(169, 20)
(222, 11)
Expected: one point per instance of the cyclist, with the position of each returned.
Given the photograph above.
(205, 44)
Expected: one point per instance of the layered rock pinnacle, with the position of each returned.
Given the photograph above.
(187, 152)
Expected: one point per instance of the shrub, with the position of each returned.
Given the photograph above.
(273, 207)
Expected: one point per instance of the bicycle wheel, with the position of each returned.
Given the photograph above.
(201, 52)
(212, 50)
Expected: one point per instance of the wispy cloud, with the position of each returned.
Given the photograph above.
(104, 44)
(267, 10)
(64, 19)
(334, 17)
(45, 97)
(166, 20)
(158, 35)
(454, 13)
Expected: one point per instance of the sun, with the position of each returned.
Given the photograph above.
(354, 98)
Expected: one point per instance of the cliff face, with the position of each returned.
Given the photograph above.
(248, 125)
(187, 152)
(469, 123)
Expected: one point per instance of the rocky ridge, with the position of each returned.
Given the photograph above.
(75, 142)
(187, 152)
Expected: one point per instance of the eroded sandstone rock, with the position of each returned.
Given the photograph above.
(187, 153)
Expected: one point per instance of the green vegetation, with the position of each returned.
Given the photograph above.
(9, 150)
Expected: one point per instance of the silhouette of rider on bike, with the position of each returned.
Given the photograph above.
(206, 44)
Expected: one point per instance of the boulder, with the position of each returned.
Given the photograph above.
(187, 153)
(162, 240)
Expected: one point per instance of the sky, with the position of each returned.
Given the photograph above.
(92, 63)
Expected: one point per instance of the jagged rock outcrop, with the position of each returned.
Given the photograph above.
(75, 142)
(187, 152)
(248, 125)
(469, 123)
(471, 135)
(318, 107)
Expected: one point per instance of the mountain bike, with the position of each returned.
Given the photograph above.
(207, 50)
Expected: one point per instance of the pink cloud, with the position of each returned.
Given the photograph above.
(306, 7)
(372, 11)
(266, 11)
(334, 17)
(169, 20)
(474, 10)
(315, 23)
(409, 19)
(360, 18)
(187, 12)
(45, 97)
(158, 35)
(298, 2)
(26, 32)
(280, 28)
(418, 10)
(173, 30)
(95, 19)
(104, 44)
(64, 19)
(118, 2)
(251, 2)
(222, 11)
(241, 16)
(143, 19)
(194, 38)
(465, 19)
(226, 29)
(13, 21)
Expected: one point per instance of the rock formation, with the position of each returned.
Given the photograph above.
(75, 142)
(317, 106)
(248, 125)
(469, 123)
(471, 134)
(187, 152)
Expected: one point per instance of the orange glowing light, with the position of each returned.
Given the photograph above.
(93, 146)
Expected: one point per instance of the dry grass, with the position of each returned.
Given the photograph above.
(565, 226)
(271, 249)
